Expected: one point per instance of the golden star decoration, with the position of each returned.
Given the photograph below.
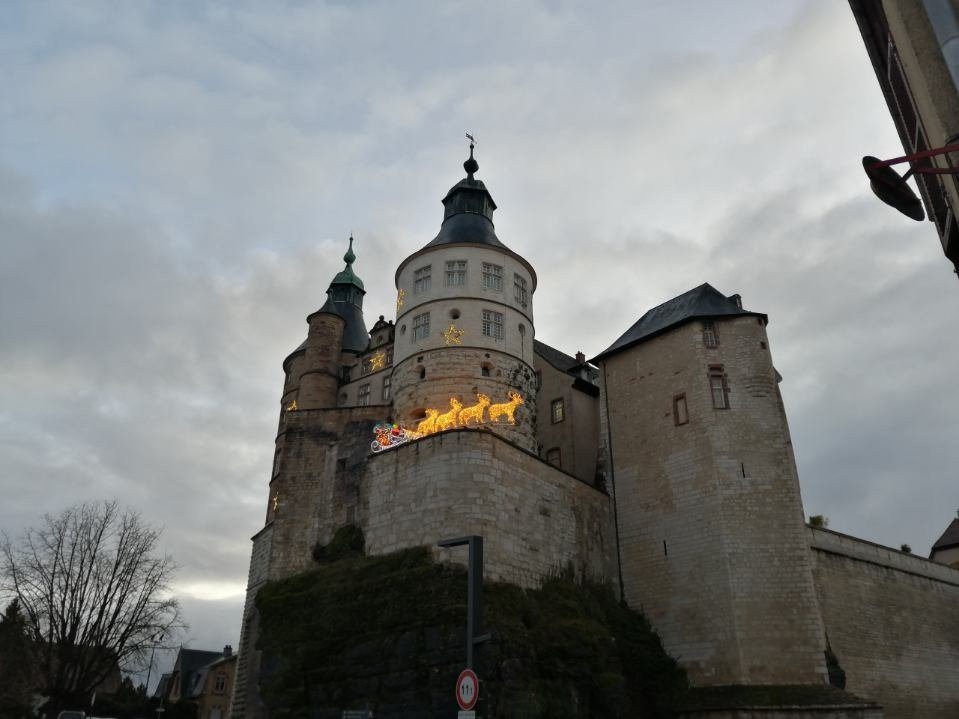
(400, 298)
(453, 335)
(377, 361)
(291, 407)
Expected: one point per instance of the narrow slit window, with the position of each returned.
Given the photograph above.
(680, 411)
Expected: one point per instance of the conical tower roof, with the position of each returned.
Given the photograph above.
(345, 299)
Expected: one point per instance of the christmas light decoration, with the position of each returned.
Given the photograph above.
(453, 335)
(276, 498)
(400, 300)
(291, 407)
(377, 361)
(390, 435)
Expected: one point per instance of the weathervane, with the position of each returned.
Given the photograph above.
(471, 165)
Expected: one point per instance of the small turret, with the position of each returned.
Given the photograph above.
(313, 371)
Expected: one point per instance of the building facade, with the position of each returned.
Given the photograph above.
(663, 466)
(914, 48)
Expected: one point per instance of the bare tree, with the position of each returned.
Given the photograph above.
(92, 593)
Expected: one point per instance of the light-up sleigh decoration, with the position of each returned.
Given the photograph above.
(390, 435)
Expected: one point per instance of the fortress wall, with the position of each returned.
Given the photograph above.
(891, 621)
(534, 518)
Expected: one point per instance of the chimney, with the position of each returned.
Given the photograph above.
(228, 651)
(580, 358)
(737, 299)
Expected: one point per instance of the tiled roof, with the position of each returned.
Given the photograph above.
(702, 301)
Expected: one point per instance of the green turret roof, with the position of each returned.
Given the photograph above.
(347, 276)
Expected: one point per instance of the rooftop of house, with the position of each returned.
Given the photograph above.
(562, 361)
(701, 302)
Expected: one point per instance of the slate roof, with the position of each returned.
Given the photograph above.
(560, 360)
(700, 302)
(949, 538)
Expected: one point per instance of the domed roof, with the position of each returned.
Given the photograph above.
(468, 217)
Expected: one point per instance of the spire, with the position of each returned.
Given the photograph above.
(347, 276)
(471, 165)
(350, 256)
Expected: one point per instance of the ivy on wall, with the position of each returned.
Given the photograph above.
(386, 633)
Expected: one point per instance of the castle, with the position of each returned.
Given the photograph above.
(663, 465)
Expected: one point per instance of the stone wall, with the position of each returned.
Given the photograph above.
(246, 699)
(893, 622)
(459, 372)
(712, 538)
(535, 519)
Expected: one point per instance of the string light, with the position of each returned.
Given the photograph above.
(453, 335)
(389, 435)
(276, 498)
(291, 407)
(400, 300)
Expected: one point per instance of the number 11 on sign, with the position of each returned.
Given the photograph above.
(467, 689)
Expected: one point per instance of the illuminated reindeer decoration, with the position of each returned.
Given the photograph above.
(475, 412)
(389, 435)
(448, 420)
(506, 408)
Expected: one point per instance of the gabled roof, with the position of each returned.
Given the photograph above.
(949, 538)
(704, 301)
(560, 360)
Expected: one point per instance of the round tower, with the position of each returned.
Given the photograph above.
(337, 334)
(464, 325)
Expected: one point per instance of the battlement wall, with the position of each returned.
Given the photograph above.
(891, 620)
(534, 518)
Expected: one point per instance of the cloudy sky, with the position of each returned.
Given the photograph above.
(178, 180)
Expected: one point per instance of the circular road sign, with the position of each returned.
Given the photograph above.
(467, 689)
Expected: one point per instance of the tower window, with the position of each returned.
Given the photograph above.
(557, 410)
(709, 334)
(493, 324)
(520, 293)
(680, 411)
(387, 380)
(455, 273)
(719, 387)
(554, 457)
(363, 395)
(422, 279)
(492, 277)
(421, 326)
